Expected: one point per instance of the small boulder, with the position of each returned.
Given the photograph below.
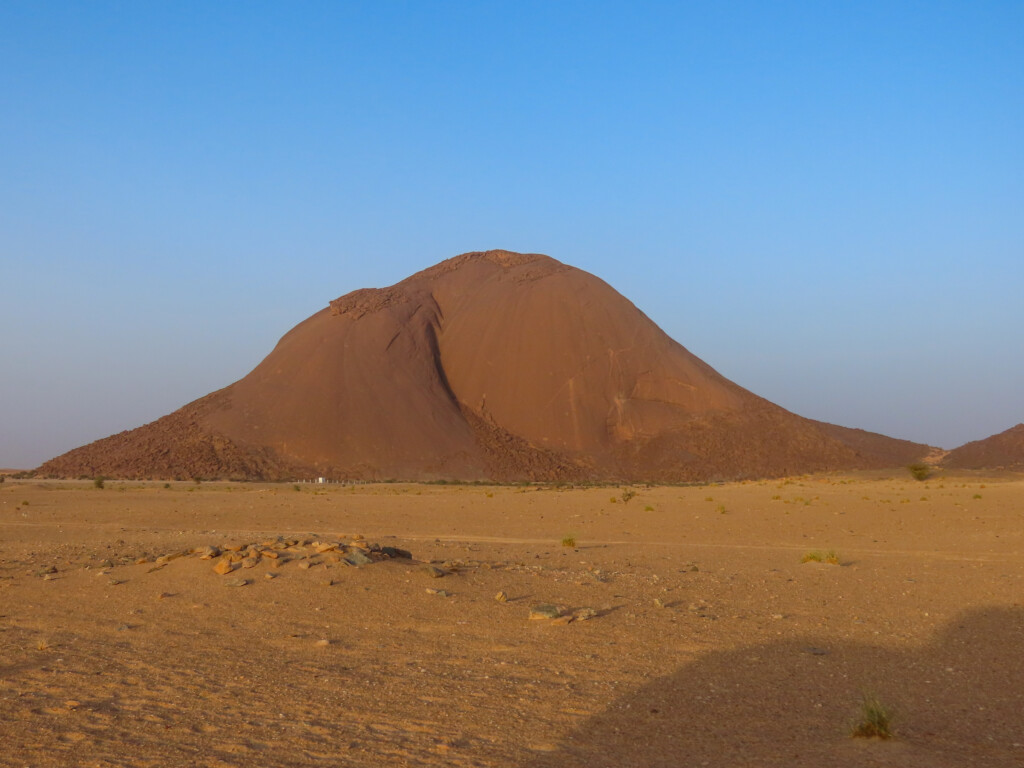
(357, 557)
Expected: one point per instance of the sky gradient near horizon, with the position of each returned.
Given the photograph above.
(823, 201)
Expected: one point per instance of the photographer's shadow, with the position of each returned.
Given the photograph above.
(957, 701)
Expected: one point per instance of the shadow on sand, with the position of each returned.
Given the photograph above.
(959, 701)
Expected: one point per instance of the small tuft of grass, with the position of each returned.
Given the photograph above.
(296, 487)
(817, 556)
(627, 494)
(648, 508)
(976, 496)
(98, 482)
(720, 509)
(569, 541)
(874, 720)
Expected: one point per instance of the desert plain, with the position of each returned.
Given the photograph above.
(689, 631)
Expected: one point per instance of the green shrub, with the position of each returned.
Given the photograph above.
(919, 470)
(98, 482)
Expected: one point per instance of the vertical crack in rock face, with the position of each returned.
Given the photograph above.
(490, 365)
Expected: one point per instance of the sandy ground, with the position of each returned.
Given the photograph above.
(712, 644)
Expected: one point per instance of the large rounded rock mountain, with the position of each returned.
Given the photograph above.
(491, 365)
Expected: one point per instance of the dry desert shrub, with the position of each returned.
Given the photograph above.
(817, 556)
(919, 471)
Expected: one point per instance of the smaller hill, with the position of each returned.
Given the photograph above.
(1002, 451)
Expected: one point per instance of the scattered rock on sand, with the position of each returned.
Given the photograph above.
(237, 582)
(356, 557)
(433, 571)
(309, 552)
(501, 597)
(165, 559)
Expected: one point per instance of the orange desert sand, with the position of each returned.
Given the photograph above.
(687, 631)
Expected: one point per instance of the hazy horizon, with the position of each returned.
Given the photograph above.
(822, 203)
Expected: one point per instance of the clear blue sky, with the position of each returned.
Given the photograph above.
(823, 200)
